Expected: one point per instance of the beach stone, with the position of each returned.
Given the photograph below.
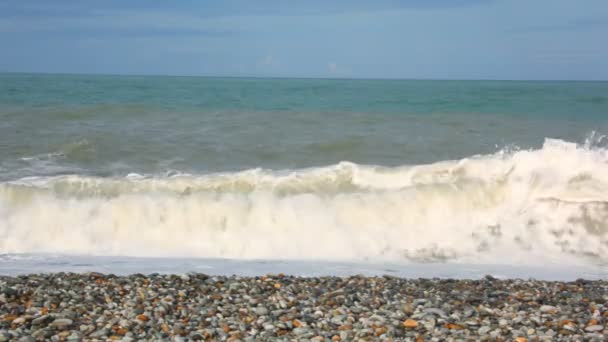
(569, 327)
(74, 337)
(18, 320)
(27, 339)
(419, 301)
(410, 323)
(548, 309)
(261, 310)
(300, 331)
(40, 333)
(197, 336)
(61, 323)
(435, 311)
(100, 333)
(42, 320)
(594, 328)
(495, 333)
(483, 330)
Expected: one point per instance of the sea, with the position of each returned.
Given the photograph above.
(246, 176)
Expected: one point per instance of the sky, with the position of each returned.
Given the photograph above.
(428, 39)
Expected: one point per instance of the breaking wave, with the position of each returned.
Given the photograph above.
(514, 206)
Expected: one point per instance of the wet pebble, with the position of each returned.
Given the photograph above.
(76, 307)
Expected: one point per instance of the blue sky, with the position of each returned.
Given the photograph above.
(439, 39)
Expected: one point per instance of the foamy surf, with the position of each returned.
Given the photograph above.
(513, 207)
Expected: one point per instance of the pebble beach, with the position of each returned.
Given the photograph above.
(199, 307)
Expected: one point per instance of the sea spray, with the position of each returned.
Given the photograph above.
(514, 206)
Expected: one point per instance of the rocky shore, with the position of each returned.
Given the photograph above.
(93, 306)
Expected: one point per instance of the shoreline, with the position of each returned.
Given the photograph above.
(19, 264)
(95, 306)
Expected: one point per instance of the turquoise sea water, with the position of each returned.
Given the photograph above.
(109, 125)
(398, 170)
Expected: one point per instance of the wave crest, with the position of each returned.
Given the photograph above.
(522, 206)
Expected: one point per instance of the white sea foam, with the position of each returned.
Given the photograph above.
(512, 207)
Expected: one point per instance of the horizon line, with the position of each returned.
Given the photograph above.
(299, 77)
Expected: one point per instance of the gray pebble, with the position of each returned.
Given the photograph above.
(62, 323)
(100, 333)
(435, 311)
(27, 339)
(41, 320)
(483, 330)
(261, 310)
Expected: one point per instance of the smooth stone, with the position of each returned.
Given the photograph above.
(40, 332)
(594, 328)
(100, 333)
(18, 320)
(435, 311)
(41, 320)
(483, 330)
(197, 336)
(569, 327)
(74, 337)
(300, 331)
(419, 301)
(62, 323)
(547, 308)
(261, 310)
(27, 339)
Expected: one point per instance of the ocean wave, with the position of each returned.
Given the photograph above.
(525, 206)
